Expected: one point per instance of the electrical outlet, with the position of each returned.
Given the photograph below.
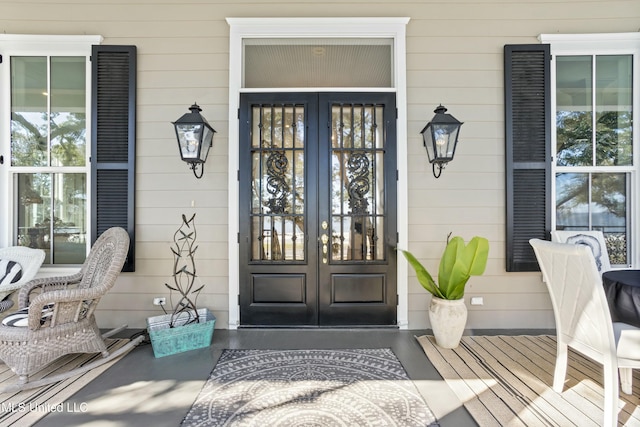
(477, 301)
(159, 301)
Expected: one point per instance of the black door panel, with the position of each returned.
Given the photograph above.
(317, 209)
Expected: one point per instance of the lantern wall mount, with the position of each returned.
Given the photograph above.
(440, 137)
(195, 138)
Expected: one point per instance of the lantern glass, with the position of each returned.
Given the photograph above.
(189, 137)
(427, 136)
(207, 142)
(440, 142)
(445, 138)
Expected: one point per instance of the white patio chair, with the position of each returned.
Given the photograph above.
(583, 321)
(594, 239)
(13, 276)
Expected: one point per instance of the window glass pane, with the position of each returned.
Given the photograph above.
(69, 219)
(572, 201)
(586, 201)
(29, 129)
(64, 195)
(576, 139)
(609, 213)
(311, 62)
(34, 196)
(613, 110)
(68, 116)
(574, 110)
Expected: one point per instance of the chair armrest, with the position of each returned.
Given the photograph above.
(45, 284)
(67, 305)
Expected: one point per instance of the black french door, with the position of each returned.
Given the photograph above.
(317, 209)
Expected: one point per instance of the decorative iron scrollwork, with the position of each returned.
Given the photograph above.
(359, 185)
(277, 186)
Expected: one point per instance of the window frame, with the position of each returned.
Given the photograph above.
(46, 46)
(594, 45)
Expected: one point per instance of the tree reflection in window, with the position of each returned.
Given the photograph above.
(48, 138)
(594, 112)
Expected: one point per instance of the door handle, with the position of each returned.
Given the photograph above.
(325, 240)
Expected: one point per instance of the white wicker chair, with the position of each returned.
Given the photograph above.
(30, 261)
(593, 239)
(583, 321)
(71, 326)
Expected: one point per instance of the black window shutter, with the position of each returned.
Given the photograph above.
(113, 117)
(528, 151)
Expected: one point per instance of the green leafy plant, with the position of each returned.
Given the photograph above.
(458, 263)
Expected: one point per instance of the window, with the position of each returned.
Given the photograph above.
(317, 62)
(51, 169)
(571, 142)
(594, 168)
(48, 151)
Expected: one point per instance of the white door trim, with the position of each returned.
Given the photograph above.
(241, 28)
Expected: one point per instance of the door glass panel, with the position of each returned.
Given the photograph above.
(357, 183)
(278, 197)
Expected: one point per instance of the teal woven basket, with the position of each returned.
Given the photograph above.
(167, 341)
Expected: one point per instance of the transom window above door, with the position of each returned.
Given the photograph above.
(318, 62)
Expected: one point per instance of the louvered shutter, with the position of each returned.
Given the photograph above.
(113, 109)
(528, 151)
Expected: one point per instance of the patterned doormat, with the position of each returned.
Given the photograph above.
(355, 387)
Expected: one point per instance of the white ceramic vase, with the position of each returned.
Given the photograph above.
(448, 319)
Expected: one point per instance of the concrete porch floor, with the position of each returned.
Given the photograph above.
(141, 390)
